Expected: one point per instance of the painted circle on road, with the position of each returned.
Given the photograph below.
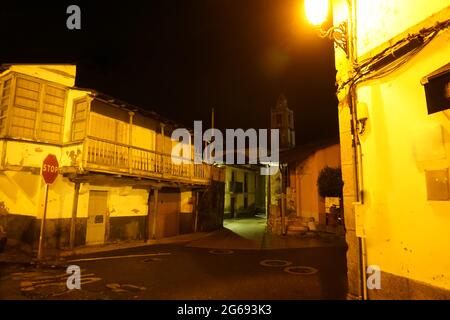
(275, 263)
(221, 251)
(301, 270)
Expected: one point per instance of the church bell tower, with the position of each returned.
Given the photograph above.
(282, 118)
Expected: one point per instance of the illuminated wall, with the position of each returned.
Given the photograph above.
(406, 234)
(309, 203)
(381, 20)
(239, 175)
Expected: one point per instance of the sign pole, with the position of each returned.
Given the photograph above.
(42, 233)
(50, 168)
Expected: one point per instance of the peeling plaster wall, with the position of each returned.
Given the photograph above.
(24, 196)
(186, 202)
(20, 191)
(127, 202)
(29, 154)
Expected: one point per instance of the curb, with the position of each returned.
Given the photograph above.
(120, 246)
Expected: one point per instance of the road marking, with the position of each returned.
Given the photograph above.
(115, 287)
(121, 257)
(30, 285)
(32, 281)
(275, 263)
(301, 270)
(221, 251)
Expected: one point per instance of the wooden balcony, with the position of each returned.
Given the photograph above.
(100, 155)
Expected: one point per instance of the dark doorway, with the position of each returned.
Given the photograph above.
(232, 207)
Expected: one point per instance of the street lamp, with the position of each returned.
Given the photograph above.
(317, 13)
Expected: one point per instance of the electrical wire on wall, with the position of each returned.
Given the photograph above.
(395, 56)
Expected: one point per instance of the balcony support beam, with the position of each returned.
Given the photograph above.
(130, 142)
(74, 214)
(155, 212)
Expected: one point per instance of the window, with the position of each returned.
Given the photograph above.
(25, 109)
(52, 121)
(437, 89)
(4, 102)
(107, 128)
(37, 111)
(245, 202)
(279, 120)
(79, 119)
(110, 123)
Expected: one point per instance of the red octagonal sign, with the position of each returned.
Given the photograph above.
(50, 168)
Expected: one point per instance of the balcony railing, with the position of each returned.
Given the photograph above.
(103, 155)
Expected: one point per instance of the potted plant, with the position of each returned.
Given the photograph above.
(330, 185)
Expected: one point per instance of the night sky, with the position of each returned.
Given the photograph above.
(181, 58)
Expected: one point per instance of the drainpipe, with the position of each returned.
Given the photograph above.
(356, 145)
(74, 214)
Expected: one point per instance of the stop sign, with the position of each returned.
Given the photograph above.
(50, 168)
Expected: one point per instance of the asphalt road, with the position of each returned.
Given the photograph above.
(182, 271)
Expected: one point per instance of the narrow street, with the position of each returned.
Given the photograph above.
(237, 262)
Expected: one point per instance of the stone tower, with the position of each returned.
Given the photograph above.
(282, 118)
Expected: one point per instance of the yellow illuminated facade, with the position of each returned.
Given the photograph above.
(116, 182)
(244, 191)
(303, 204)
(397, 201)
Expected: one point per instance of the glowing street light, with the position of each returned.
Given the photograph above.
(316, 11)
(317, 14)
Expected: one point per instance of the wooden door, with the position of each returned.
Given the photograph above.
(96, 224)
